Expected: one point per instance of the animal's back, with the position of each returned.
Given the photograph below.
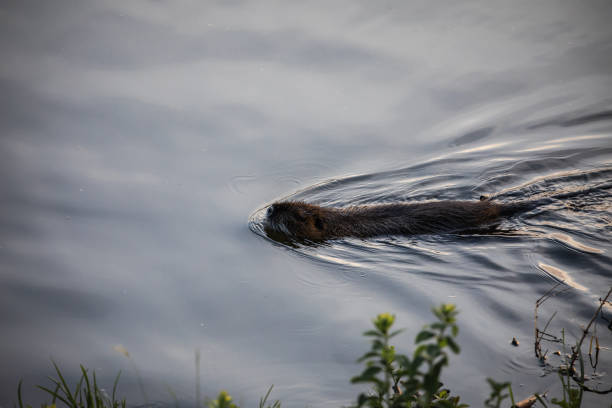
(424, 218)
(316, 223)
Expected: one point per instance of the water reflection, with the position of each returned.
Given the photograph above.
(566, 239)
(561, 276)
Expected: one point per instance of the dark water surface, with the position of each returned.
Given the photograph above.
(137, 138)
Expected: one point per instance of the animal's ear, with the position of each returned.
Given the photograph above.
(319, 224)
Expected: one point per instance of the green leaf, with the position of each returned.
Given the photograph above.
(369, 400)
(395, 333)
(374, 333)
(437, 368)
(453, 346)
(403, 361)
(368, 375)
(419, 351)
(432, 350)
(362, 399)
(424, 335)
(416, 362)
(438, 326)
(377, 345)
(368, 355)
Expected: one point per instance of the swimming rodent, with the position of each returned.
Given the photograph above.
(313, 223)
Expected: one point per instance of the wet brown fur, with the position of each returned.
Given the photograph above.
(311, 222)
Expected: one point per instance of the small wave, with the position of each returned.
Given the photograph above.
(569, 120)
(560, 275)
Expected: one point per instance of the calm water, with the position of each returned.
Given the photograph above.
(140, 141)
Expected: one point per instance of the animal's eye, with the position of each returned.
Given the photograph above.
(269, 212)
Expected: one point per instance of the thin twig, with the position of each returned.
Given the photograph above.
(544, 332)
(593, 390)
(586, 329)
(550, 293)
(551, 337)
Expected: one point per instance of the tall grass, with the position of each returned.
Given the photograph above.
(86, 394)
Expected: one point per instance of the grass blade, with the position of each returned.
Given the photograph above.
(19, 394)
(262, 401)
(78, 391)
(56, 396)
(115, 387)
(88, 394)
(65, 387)
(97, 394)
(541, 401)
(57, 387)
(511, 394)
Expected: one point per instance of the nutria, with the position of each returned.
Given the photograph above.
(308, 222)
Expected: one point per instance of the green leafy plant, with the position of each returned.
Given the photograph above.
(224, 400)
(497, 393)
(398, 380)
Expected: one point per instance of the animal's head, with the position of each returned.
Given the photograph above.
(297, 220)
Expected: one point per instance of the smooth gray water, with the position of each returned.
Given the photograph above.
(140, 139)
